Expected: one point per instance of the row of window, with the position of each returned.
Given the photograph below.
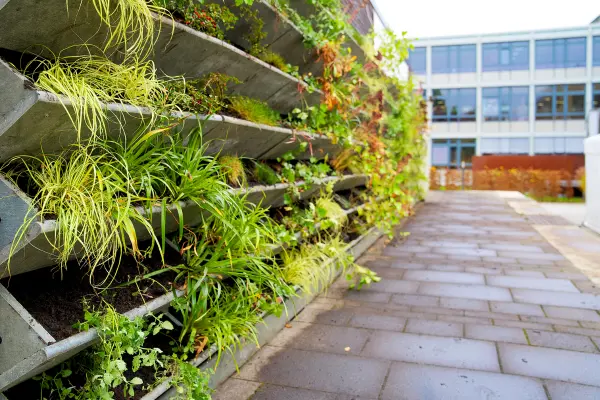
(552, 102)
(452, 152)
(505, 56)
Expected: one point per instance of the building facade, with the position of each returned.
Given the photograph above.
(522, 93)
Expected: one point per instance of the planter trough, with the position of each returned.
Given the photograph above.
(56, 26)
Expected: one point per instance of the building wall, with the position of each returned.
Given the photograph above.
(528, 135)
(569, 163)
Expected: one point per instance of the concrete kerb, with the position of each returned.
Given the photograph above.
(38, 360)
(266, 331)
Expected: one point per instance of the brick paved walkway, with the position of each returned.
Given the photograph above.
(476, 304)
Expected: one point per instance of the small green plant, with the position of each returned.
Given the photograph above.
(265, 174)
(254, 110)
(212, 19)
(232, 168)
(361, 276)
(272, 58)
(207, 95)
(190, 382)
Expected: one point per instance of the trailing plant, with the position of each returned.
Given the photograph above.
(207, 95)
(254, 111)
(213, 19)
(265, 174)
(189, 381)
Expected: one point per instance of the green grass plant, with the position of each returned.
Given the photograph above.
(272, 58)
(233, 170)
(265, 174)
(254, 110)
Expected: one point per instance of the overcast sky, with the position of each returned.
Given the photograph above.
(460, 17)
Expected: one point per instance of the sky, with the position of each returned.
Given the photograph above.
(461, 17)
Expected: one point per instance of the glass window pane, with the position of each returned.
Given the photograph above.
(490, 57)
(560, 104)
(575, 49)
(596, 51)
(453, 60)
(467, 61)
(544, 145)
(520, 55)
(504, 56)
(453, 155)
(520, 104)
(559, 53)
(439, 155)
(576, 88)
(466, 154)
(544, 54)
(439, 59)
(543, 99)
(417, 60)
(467, 104)
(576, 103)
(596, 100)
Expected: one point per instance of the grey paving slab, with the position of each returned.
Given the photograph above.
(532, 256)
(425, 382)
(446, 268)
(564, 341)
(512, 247)
(550, 363)
(575, 276)
(393, 286)
(521, 282)
(325, 338)
(369, 297)
(466, 304)
(443, 351)
(486, 270)
(441, 276)
(531, 274)
(383, 322)
(495, 333)
(236, 389)
(571, 391)
(465, 252)
(523, 324)
(317, 371)
(517, 308)
(274, 392)
(416, 300)
(478, 292)
(324, 316)
(561, 299)
(546, 320)
(434, 328)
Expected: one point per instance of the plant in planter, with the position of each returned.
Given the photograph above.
(254, 110)
(207, 95)
(232, 168)
(264, 174)
(191, 382)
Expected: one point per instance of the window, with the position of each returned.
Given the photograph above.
(507, 56)
(452, 152)
(453, 104)
(453, 59)
(558, 145)
(505, 146)
(596, 98)
(596, 52)
(556, 102)
(417, 60)
(560, 53)
(506, 103)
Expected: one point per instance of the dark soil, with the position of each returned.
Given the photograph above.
(58, 303)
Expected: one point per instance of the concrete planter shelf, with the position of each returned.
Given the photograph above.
(48, 28)
(35, 350)
(266, 331)
(33, 120)
(36, 250)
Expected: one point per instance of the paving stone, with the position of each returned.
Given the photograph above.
(441, 276)
(483, 270)
(378, 322)
(572, 313)
(335, 373)
(590, 325)
(392, 286)
(577, 331)
(274, 392)
(499, 260)
(552, 321)
(368, 297)
(466, 320)
(492, 315)
(523, 324)
(478, 292)
(512, 247)
(430, 256)
(536, 262)
(327, 338)
(447, 243)
(435, 328)
(437, 310)
(571, 391)
(530, 274)
(561, 299)
(324, 316)
(521, 282)
(447, 268)
(517, 308)
(532, 256)
(550, 363)
(464, 304)
(495, 333)
(389, 273)
(425, 382)
(415, 300)
(463, 258)
(575, 276)
(465, 252)
(407, 249)
(406, 265)
(237, 389)
(443, 351)
(561, 341)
